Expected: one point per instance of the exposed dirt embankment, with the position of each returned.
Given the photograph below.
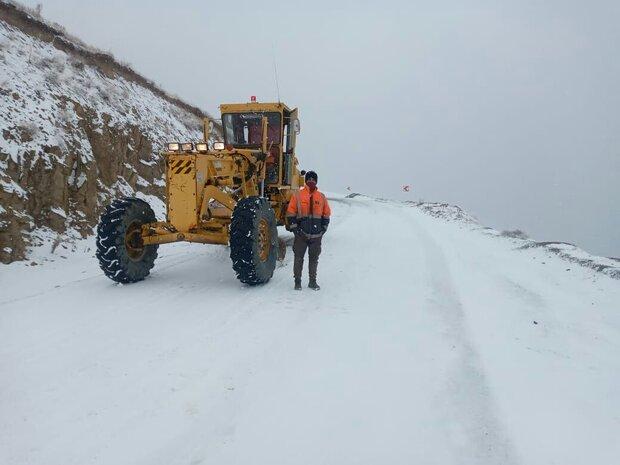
(77, 129)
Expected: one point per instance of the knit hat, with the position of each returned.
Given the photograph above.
(312, 175)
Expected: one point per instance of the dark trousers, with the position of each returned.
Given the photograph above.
(299, 249)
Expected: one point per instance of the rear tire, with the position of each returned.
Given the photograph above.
(121, 254)
(253, 240)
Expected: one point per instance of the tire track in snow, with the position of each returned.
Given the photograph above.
(350, 371)
(472, 422)
(171, 260)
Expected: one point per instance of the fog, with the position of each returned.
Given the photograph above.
(509, 109)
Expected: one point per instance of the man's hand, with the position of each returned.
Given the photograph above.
(324, 224)
(291, 225)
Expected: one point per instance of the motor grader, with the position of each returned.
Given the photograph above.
(232, 192)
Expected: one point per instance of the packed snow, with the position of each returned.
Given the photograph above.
(431, 341)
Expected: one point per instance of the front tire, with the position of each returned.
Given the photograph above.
(122, 255)
(253, 240)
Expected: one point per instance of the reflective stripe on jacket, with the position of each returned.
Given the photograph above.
(308, 212)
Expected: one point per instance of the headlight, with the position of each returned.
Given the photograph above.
(173, 147)
(187, 147)
(218, 145)
(202, 146)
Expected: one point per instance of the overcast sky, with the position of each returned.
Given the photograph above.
(509, 109)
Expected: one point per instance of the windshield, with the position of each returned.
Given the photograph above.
(244, 129)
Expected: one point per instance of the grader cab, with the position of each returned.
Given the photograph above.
(233, 192)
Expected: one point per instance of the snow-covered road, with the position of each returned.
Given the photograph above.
(430, 342)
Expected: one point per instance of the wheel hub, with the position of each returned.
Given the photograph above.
(133, 241)
(264, 240)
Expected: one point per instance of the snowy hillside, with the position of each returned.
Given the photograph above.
(77, 130)
(432, 341)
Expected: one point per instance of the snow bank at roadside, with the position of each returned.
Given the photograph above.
(569, 252)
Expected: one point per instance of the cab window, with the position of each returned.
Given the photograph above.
(244, 129)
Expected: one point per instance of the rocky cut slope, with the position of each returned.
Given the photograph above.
(78, 129)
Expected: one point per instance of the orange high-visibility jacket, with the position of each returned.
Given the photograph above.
(308, 212)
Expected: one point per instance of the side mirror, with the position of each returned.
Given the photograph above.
(296, 126)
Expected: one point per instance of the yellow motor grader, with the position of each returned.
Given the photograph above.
(231, 192)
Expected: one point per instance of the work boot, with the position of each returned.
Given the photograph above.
(313, 285)
(298, 284)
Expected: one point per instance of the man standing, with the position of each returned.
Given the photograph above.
(308, 217)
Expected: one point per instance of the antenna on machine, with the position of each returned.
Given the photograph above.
(275, 70)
